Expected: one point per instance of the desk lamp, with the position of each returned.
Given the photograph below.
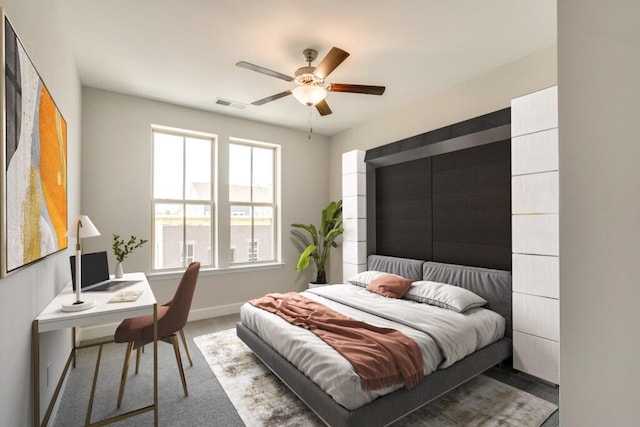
(84, 228)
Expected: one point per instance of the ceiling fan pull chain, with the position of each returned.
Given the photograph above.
(310, 128)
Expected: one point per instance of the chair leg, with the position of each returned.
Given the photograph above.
(138, 358)
(125, 369)
(186, 346)
(176, 350)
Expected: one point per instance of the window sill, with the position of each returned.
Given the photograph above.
(210, 271)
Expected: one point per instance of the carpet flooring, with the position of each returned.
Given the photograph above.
(262, 400)
(207, 403)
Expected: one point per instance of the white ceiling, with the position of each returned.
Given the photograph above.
(184, 52)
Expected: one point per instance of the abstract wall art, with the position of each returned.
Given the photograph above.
(34, 167)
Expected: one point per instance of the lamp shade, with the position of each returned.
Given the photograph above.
(87, 229)
(309, 94)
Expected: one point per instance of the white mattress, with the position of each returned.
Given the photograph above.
(443, 336)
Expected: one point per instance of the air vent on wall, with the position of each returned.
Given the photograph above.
(228, 103)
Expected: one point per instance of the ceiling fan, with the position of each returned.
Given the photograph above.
(311, 86)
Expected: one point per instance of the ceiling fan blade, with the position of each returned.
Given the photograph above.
(272, 97)
(330, 62)
(369, 90)
(268, 72)
(323, 108)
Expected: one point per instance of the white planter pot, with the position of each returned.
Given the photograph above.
(119, 271)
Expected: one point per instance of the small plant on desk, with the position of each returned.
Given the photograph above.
(122, 249)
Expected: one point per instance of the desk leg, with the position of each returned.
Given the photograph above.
(35, 368)
(73, 342)
(93, 388)
(54, 398)
(155, 365)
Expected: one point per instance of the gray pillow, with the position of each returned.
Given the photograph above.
(443, 295)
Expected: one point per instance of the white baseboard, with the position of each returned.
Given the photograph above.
(107, 330)
(217, 311)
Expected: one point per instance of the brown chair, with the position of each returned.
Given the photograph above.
(172, 317)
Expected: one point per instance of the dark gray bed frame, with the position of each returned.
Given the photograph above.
(493, 285)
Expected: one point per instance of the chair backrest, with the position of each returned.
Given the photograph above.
(179, 306)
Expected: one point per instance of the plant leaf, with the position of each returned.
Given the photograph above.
(305, 258)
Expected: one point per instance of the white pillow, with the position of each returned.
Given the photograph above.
(443, 295)
(365, 278)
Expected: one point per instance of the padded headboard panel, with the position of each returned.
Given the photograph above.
(492, 285)
(405, 267)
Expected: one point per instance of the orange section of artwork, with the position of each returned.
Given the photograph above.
(53, 155)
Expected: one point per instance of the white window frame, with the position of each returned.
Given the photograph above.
(274, 204)
(184, 201)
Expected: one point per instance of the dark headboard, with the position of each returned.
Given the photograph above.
(444, 195)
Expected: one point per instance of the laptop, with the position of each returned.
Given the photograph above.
(95, 273)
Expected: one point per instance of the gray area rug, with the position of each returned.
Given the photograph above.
(207, 404)
(262, 400)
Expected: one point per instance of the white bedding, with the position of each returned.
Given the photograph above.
(444, 336)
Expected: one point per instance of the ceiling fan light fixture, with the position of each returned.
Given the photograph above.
(309, 94)
(312, 88)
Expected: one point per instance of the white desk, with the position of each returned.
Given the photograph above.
(53, 318)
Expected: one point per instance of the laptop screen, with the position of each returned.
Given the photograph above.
(95, 268)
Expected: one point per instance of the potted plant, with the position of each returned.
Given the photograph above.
(122, 249)
(318, 241)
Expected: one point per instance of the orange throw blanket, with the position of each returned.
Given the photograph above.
(381, 357)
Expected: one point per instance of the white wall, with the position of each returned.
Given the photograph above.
(488, 92)
(24, 294)
(116, 189)
(599, 89)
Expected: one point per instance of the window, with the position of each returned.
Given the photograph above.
(185, 220)
(252, 202)
(183, 205)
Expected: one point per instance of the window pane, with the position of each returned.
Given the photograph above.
(240, 234)
(183, 212)
(197, 169)
(168, 235)
(263, 232)
(199, 245)
(167, 166)
(239, 173)
(262, 175)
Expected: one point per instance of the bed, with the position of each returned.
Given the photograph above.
(321, 378)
